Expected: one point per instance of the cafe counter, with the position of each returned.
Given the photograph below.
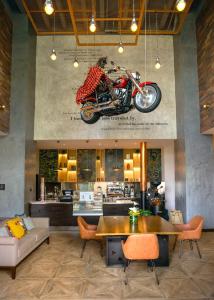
(65, 213)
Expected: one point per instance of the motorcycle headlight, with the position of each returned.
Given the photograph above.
(138, 76)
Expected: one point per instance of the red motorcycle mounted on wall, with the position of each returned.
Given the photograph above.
(101, 96)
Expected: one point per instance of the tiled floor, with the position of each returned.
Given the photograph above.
(55, 272)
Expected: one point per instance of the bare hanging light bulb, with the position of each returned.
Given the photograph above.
(157, 63)
(180, 5)
(92, 26)
(120, 48)
(76, 64)
(134, 23)
(53, 55)
(48, 7)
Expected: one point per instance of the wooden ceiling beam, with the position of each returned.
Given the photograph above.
(29, 16)
(45, 18)
(139, 24)
(174, 11)
(125, 32)
(61, 16)
(183, 16)
(71, 11)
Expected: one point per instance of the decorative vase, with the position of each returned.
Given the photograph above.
(133, 219)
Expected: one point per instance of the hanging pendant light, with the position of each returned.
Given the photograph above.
(157, 63)
(180, 5)
(48, 7)
(87, 168)
(120, 48)
(92, 26)
(134, 23)
(157, 60)
(76, 64)
(116, 168)
(53, 55)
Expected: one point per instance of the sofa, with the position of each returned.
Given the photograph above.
(13, 250)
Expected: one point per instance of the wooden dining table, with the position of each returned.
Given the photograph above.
(118, 228)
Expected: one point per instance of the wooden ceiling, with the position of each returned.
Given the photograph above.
(72, 17)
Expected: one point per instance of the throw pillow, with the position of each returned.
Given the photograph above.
(16, 228)
(28, 223)
(4, 232)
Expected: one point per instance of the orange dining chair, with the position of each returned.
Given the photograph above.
(190, 232)
(141, 247)
(87, 233)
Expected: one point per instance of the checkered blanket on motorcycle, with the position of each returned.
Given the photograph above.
(92, 80)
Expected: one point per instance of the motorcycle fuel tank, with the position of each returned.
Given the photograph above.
(121, 82)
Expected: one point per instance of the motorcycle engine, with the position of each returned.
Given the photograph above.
(104, 97)
(118, 95)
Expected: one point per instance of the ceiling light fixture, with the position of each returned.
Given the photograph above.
(53, 55)
(116, 167)
(92, 26)
(48, 7)
(120, 47)
(134, 23)
(76, 64)
(180, 5)
(87, 169)
(157, 64)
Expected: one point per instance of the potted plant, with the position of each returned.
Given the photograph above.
(134, 213)
(145, 213)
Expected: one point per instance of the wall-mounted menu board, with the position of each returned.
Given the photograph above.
(114, 165)
(86, 165)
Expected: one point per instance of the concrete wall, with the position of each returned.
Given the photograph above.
(193, 151)
(17, 150)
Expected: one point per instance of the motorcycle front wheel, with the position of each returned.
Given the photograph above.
(88, 116)
(150, 100)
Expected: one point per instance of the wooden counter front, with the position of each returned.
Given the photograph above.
(120, 225)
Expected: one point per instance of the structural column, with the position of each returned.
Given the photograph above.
(143, 174)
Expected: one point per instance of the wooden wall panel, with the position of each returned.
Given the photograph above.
(5, 69)
(205, 41)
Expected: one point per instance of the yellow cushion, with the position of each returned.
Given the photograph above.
(16, 228)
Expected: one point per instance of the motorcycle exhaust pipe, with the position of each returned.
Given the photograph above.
(97, 107)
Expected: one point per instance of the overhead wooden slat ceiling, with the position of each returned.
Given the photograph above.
(72, 17)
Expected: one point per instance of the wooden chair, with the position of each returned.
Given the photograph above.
(190, 232)
(87, 233)
(141, 247)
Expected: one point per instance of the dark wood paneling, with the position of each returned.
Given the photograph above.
(5, 69)
(205, 41)
(59, 214)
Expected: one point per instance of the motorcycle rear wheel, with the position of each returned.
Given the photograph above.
(150, 101)
(87, 116)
